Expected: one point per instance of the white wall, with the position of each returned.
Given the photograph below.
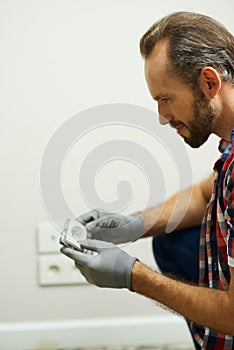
(57, 59)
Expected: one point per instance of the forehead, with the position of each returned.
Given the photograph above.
(158, 59)
(157, 68)
(158, 73)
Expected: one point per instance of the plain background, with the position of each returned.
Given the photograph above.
(57, 59)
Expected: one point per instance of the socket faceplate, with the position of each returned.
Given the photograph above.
(57, 269)
(54, 268)
(47, 238)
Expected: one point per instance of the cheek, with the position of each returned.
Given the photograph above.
(182, 110)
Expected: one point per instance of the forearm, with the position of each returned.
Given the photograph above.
(184, 209)
(176, 213)
(198, 304)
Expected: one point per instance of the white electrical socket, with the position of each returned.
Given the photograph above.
(57, 269)
(48, 238)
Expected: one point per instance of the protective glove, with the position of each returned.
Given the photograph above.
(110, 227)
(108, 266)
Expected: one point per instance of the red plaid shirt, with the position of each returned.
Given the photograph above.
(217, 243)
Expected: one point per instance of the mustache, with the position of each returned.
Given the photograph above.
(176, 124)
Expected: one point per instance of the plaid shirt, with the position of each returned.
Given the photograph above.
(217, 242)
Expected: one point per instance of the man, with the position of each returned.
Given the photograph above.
(189, 69)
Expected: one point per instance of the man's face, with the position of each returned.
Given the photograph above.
(188, 111)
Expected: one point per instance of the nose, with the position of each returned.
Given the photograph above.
(164, 114)
(163, 120)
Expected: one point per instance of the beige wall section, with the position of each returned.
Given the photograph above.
(58, 58)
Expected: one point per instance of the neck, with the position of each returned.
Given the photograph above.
(225, 122)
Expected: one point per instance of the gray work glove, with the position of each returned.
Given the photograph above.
(110, 227)
(108, 267)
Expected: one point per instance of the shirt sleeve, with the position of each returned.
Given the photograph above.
(229, 213)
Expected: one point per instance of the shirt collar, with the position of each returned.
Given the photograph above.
(225, 146)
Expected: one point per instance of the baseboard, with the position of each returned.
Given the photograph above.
(95, 332)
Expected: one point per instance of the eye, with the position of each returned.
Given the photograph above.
(165, 99)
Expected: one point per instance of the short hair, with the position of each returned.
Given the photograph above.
(194, 42)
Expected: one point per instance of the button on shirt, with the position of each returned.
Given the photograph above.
(217, 242)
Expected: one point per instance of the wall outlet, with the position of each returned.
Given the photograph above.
(47, 238)
(58, 269)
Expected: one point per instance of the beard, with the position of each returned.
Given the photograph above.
(201, 124)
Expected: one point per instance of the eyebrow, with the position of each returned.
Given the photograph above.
(158, 97)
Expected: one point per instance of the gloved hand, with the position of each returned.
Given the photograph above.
(115, 228)
(108, 267)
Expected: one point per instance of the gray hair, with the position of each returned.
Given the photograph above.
(195, 41)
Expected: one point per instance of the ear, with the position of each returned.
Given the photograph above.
(210, 81)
